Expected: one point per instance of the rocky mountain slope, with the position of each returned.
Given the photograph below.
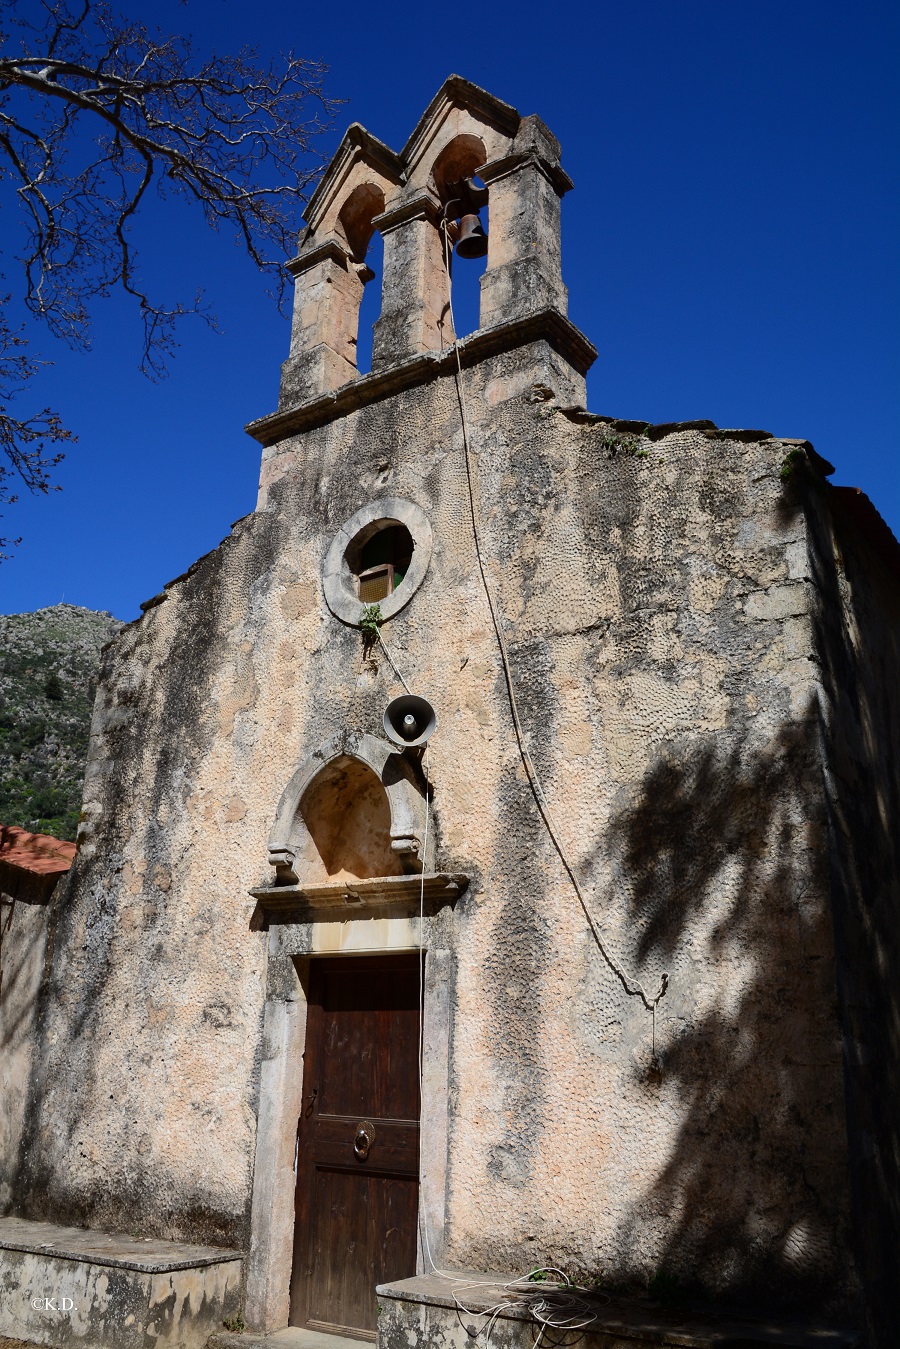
(48, 677)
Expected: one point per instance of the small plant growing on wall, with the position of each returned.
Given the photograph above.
(371, 621)
(790, 465)
(615, 445)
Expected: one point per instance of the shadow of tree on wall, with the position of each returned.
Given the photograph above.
(32, 1184)
(723, 855)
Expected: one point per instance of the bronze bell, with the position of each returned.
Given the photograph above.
(472, 241)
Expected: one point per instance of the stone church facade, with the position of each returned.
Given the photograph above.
(649, 852)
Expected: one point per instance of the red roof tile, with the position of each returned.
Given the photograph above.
(40, 854)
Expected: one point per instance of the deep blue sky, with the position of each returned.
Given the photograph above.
(730, 248)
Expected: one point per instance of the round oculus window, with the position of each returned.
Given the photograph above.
(379, 556)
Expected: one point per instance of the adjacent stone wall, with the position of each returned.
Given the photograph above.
(660, 612)
(857, 627)
(143, 1106)
(23, 943)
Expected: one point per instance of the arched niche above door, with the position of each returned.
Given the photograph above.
(354, 810)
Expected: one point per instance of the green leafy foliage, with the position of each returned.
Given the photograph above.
(550, 1275)
(53, 689)
(370, 622)
(49, 662)
(615, 445)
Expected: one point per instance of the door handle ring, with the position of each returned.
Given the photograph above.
(365, 1134)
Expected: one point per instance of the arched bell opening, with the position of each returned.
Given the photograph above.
(365, 249)
(460, 158)
(370, 304)
(348, 821)
(464, 202)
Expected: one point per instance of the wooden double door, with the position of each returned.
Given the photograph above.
(357, 1141)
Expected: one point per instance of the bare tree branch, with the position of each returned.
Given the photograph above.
(23, 440)
(97, 110)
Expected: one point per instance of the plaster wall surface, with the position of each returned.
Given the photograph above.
(658, 605)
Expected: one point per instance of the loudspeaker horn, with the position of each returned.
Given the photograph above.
(409, 721)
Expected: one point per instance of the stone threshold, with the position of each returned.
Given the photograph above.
(145, 1255)
(639, 1321)
(293, 1337)
(546, 324)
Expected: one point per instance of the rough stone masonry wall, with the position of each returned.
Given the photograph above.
(658, 615)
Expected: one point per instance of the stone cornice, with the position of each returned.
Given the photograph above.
(419, 205)
(547, 325)
(500, 168)
(357, 143)
(295, 903)
(328, 248)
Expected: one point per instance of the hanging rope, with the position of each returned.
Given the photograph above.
(633, 987)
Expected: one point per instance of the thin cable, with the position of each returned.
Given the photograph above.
(423, 1224)
(391, 663)
(633, 987)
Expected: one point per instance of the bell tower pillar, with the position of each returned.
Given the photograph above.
(524, 271)
(415, 315)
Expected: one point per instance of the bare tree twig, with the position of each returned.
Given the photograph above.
(23, 441)
(96, 110)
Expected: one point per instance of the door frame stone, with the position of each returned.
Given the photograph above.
(291, 946)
